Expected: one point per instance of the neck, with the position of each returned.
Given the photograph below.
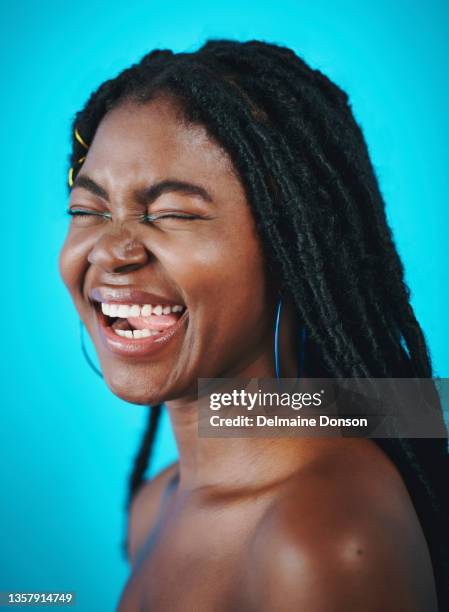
(232, 463)
(227, 463)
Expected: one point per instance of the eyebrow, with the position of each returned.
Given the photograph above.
(148, 194)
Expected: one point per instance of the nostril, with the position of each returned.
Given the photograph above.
(127, 268)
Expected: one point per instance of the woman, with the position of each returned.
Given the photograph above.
(205, 187)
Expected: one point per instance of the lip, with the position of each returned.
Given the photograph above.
(127, 295)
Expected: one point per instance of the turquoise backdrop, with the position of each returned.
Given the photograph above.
(67, 442)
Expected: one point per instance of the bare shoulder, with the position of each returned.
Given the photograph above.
(342, 535)
(145, 508)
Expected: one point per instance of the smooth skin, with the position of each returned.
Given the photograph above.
(249, 524)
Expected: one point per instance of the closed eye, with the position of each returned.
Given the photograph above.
(157, 217)
(75, 212)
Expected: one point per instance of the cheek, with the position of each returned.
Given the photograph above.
(222, 277)
(73, 263)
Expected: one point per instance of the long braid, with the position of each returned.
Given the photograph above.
(142, 461)
(305, 167)
(262, 84)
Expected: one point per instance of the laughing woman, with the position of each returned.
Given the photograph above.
(203, 186)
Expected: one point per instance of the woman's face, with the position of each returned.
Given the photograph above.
(201, 252)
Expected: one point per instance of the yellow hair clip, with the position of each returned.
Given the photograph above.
(81, 159)
(70, 178)
(80, 140)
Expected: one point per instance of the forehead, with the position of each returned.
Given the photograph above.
(136, 142)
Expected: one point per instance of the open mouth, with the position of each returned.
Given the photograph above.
(135, 324)
(138, 321)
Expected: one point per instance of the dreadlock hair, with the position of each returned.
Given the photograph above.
(306, 171)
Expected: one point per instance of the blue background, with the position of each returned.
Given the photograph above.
(67, 443)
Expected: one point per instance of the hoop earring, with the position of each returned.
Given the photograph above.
(86, 354)
(302, 345)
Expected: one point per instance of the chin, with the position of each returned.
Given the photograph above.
(133, 389)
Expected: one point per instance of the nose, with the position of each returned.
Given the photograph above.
(118, 252)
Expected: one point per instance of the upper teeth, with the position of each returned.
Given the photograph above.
(124, 311)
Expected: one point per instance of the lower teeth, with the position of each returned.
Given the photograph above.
(136, 333)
